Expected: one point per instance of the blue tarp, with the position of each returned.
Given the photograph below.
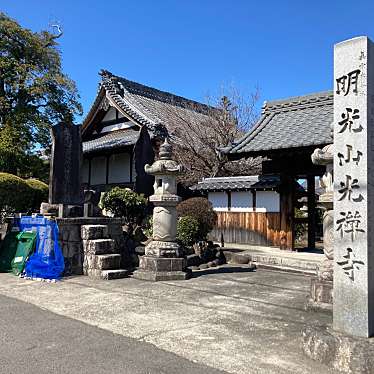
(47, 262)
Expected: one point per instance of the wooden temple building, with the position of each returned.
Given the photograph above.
(114, 147)
(286, 134)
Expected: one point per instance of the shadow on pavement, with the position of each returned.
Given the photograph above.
(223, 270)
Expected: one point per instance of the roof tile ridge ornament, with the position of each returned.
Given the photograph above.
(119, 94)
(298, 102)
(165, 96)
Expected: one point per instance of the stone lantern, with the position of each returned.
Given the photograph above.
(163, 259)
(322, 284)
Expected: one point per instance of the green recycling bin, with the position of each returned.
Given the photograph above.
(25, 246)
(8, 250)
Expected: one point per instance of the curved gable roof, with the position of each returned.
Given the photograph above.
(301, 121)
(145, 105)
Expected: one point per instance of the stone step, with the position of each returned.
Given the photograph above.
(108, 262)
(89, 232)
(107, 274)
(99, 246)
(102, 262)
(268, 261)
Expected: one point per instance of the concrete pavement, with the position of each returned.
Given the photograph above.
(35, 341)
(229, 318)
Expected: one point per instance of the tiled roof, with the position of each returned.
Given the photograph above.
(295, 122)
(146, 105)
(267, 182)
(111, 140)
(226, 183)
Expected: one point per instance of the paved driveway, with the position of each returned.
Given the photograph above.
(229, 318)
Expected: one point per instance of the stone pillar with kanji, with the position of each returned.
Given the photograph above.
(163, 259)
(353, 304)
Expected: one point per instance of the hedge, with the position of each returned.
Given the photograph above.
(39, 193)
(19, 195)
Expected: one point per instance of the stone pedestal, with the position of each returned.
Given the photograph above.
(161, 269)
(163, 259)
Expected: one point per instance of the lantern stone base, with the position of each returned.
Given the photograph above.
(320, 295)
(345, 353)
(161, 269)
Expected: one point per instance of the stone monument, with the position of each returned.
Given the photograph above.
(163, 259)
(65, 190)
(347, 347)
(321, 286)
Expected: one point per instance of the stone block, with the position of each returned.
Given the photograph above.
(160, 264)
(161, 276)
(106, 274)
(345, 353)
(89, 232)
(77, 264)
(69, 249)
(321, 295)
(158, 269)
(99, 246)
(69, 233)
(102, 262)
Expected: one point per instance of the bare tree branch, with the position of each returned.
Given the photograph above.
(198, 132)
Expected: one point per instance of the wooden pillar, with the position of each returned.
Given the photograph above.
(287, 213)
(311, 185)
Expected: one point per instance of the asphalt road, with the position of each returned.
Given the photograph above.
(33, 340)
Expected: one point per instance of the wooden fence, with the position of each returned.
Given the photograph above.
(248, 228)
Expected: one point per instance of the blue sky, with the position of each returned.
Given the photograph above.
(193, 47)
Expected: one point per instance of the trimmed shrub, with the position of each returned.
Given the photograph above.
(123, 202)
(39, 193)
(187, 230)
(201, 209)
(15, 194)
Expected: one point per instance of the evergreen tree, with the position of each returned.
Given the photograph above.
(34, 95)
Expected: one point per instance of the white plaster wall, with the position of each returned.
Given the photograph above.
(219, 201)
(267, 201)
(241, 201)
(98, 170)
(117, 126)
(119, 168)
(85, 171)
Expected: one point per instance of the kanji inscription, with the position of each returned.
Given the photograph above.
(347, 189)
(345, 82)
(349, 264)
(349, 223)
